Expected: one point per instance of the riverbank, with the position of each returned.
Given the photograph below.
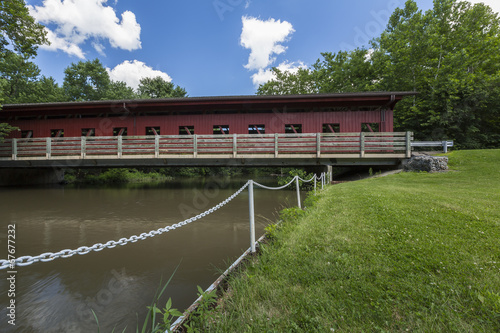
(409, 252)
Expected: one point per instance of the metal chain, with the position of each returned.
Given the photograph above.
(275, 188)
(307, 181)
(49, 256)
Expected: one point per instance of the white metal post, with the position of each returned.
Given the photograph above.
(315, 177)
(298, 191)
(252, 215)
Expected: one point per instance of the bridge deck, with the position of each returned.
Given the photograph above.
(235, 149)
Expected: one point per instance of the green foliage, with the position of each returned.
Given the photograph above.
(311, 200)
(159, 88)
(291, 173)
(86, 81)
(119, 90)
(202, 314)
(345, 72)
(18, 29)
(290, 215)
(167, 315)
(450, 56)
(112, 176)
(5, 129)
(286, 83)
(271, 231)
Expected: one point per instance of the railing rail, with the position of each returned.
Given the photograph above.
(445, 144)
(199, 146)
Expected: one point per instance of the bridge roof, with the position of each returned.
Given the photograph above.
(188, 104)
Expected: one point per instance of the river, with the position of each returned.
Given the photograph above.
(119, 283)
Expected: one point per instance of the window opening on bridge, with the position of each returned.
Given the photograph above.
(117, 131)
(88, 132)
(256, 129)
(186, 130)
(370, 127)
(56, 133)
(27, 134)
(221, 129)
(153, 130)
(331, 128)
(293, 128)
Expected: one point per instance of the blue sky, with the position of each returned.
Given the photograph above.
(209, 47)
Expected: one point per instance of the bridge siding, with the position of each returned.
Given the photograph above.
(312, 122)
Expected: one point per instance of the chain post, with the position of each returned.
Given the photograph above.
(298, 191)
(252, 215)
(315, 183)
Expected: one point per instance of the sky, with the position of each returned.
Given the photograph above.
(208, 47)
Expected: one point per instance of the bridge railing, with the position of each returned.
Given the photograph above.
(389, 144)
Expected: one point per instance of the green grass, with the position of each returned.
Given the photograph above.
(413, 252)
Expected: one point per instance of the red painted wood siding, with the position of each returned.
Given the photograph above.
(312, 122)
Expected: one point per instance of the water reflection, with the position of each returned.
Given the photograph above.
(119, 283)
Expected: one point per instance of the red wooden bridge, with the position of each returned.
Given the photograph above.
(320, 129)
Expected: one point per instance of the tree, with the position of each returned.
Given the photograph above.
(157, 87)
(20, 36)
(450, 55)
(120, 90)
(19, 30)
(345, 71)
(351, 71)
(289, 83)
(86, 81)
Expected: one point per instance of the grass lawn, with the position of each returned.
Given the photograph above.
(412, 252)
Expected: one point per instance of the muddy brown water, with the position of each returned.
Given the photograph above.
(119, 283)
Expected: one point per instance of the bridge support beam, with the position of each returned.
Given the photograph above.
(22, 176)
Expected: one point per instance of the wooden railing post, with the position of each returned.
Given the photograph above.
(120, 146)
(234, 145)
(276, 145)
(318, 145)
(195, 145)
(362, 144)
(48, 152)
(14, 149)
(83, 147)
(408, 144)
(157, 146)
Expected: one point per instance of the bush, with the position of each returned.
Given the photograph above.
(302, 174)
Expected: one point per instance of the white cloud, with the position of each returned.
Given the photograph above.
(57, 43)
(494, 4)
(131, 72)
(77, 21)
(266, 75)
(264, 39)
